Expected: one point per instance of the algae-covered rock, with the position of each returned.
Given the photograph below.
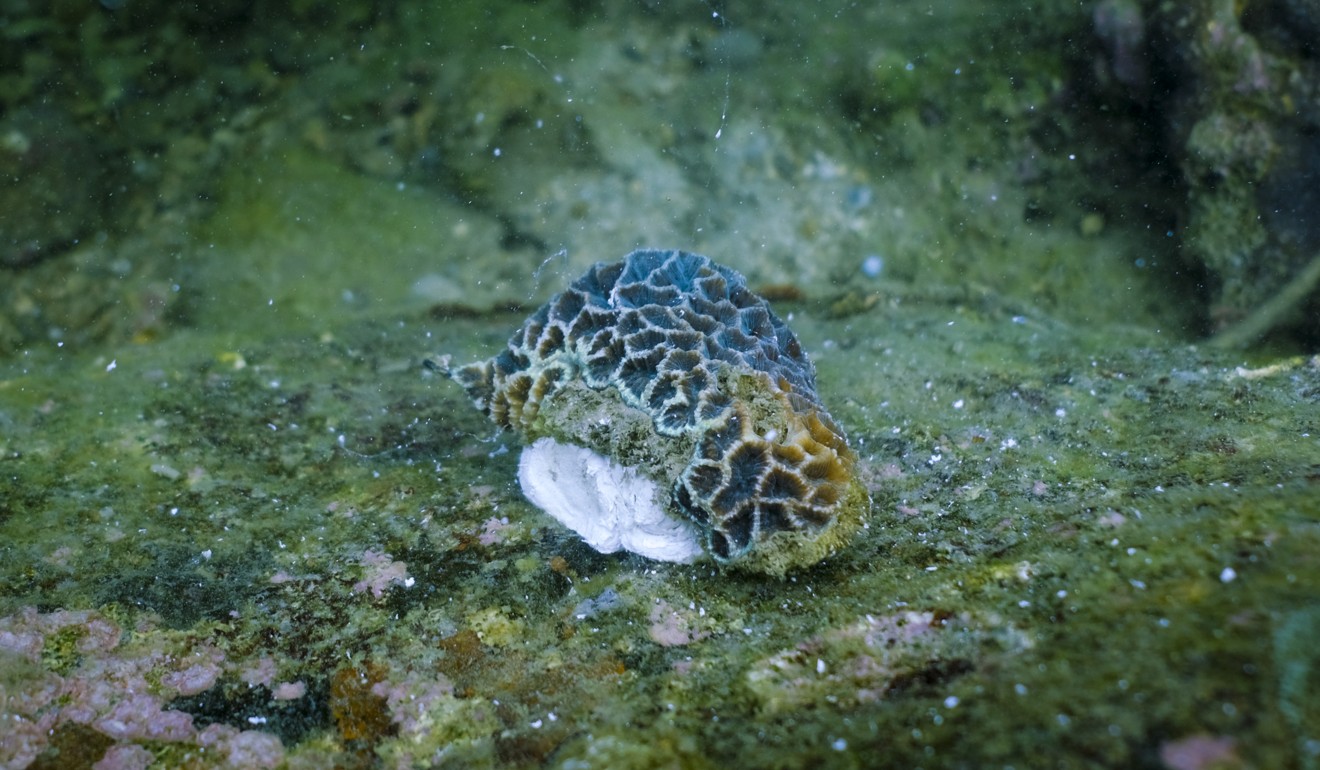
(1246, 152)
(50, 185)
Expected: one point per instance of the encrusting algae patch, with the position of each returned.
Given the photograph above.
(671, 372)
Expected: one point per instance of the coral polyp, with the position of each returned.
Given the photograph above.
(666, 363)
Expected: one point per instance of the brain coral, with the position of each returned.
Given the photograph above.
(666, 363)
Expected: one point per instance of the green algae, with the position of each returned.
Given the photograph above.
(1101, 535)
(1296, 659)
(362, 245)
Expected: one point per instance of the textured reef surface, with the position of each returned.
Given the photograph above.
(716, 398)
(239, 528)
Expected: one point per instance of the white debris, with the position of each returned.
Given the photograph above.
(611, 507)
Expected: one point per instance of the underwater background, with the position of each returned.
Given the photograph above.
(1056, 265)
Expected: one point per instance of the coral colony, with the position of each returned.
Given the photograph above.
(666, 408)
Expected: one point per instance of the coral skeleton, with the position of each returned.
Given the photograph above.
(611, 507)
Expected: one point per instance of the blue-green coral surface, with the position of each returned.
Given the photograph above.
(719, 375)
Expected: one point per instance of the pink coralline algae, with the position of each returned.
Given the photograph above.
(194, 679)
(410, 698)
(494, 531)
(1200, 752)
(71, 669)
(430, 720)
(260, 672)
(125, 757)
(673, 628)
(243, 748)
(380, 570)
(289, 691)
(141, 716)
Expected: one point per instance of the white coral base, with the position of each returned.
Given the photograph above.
(610, 506)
